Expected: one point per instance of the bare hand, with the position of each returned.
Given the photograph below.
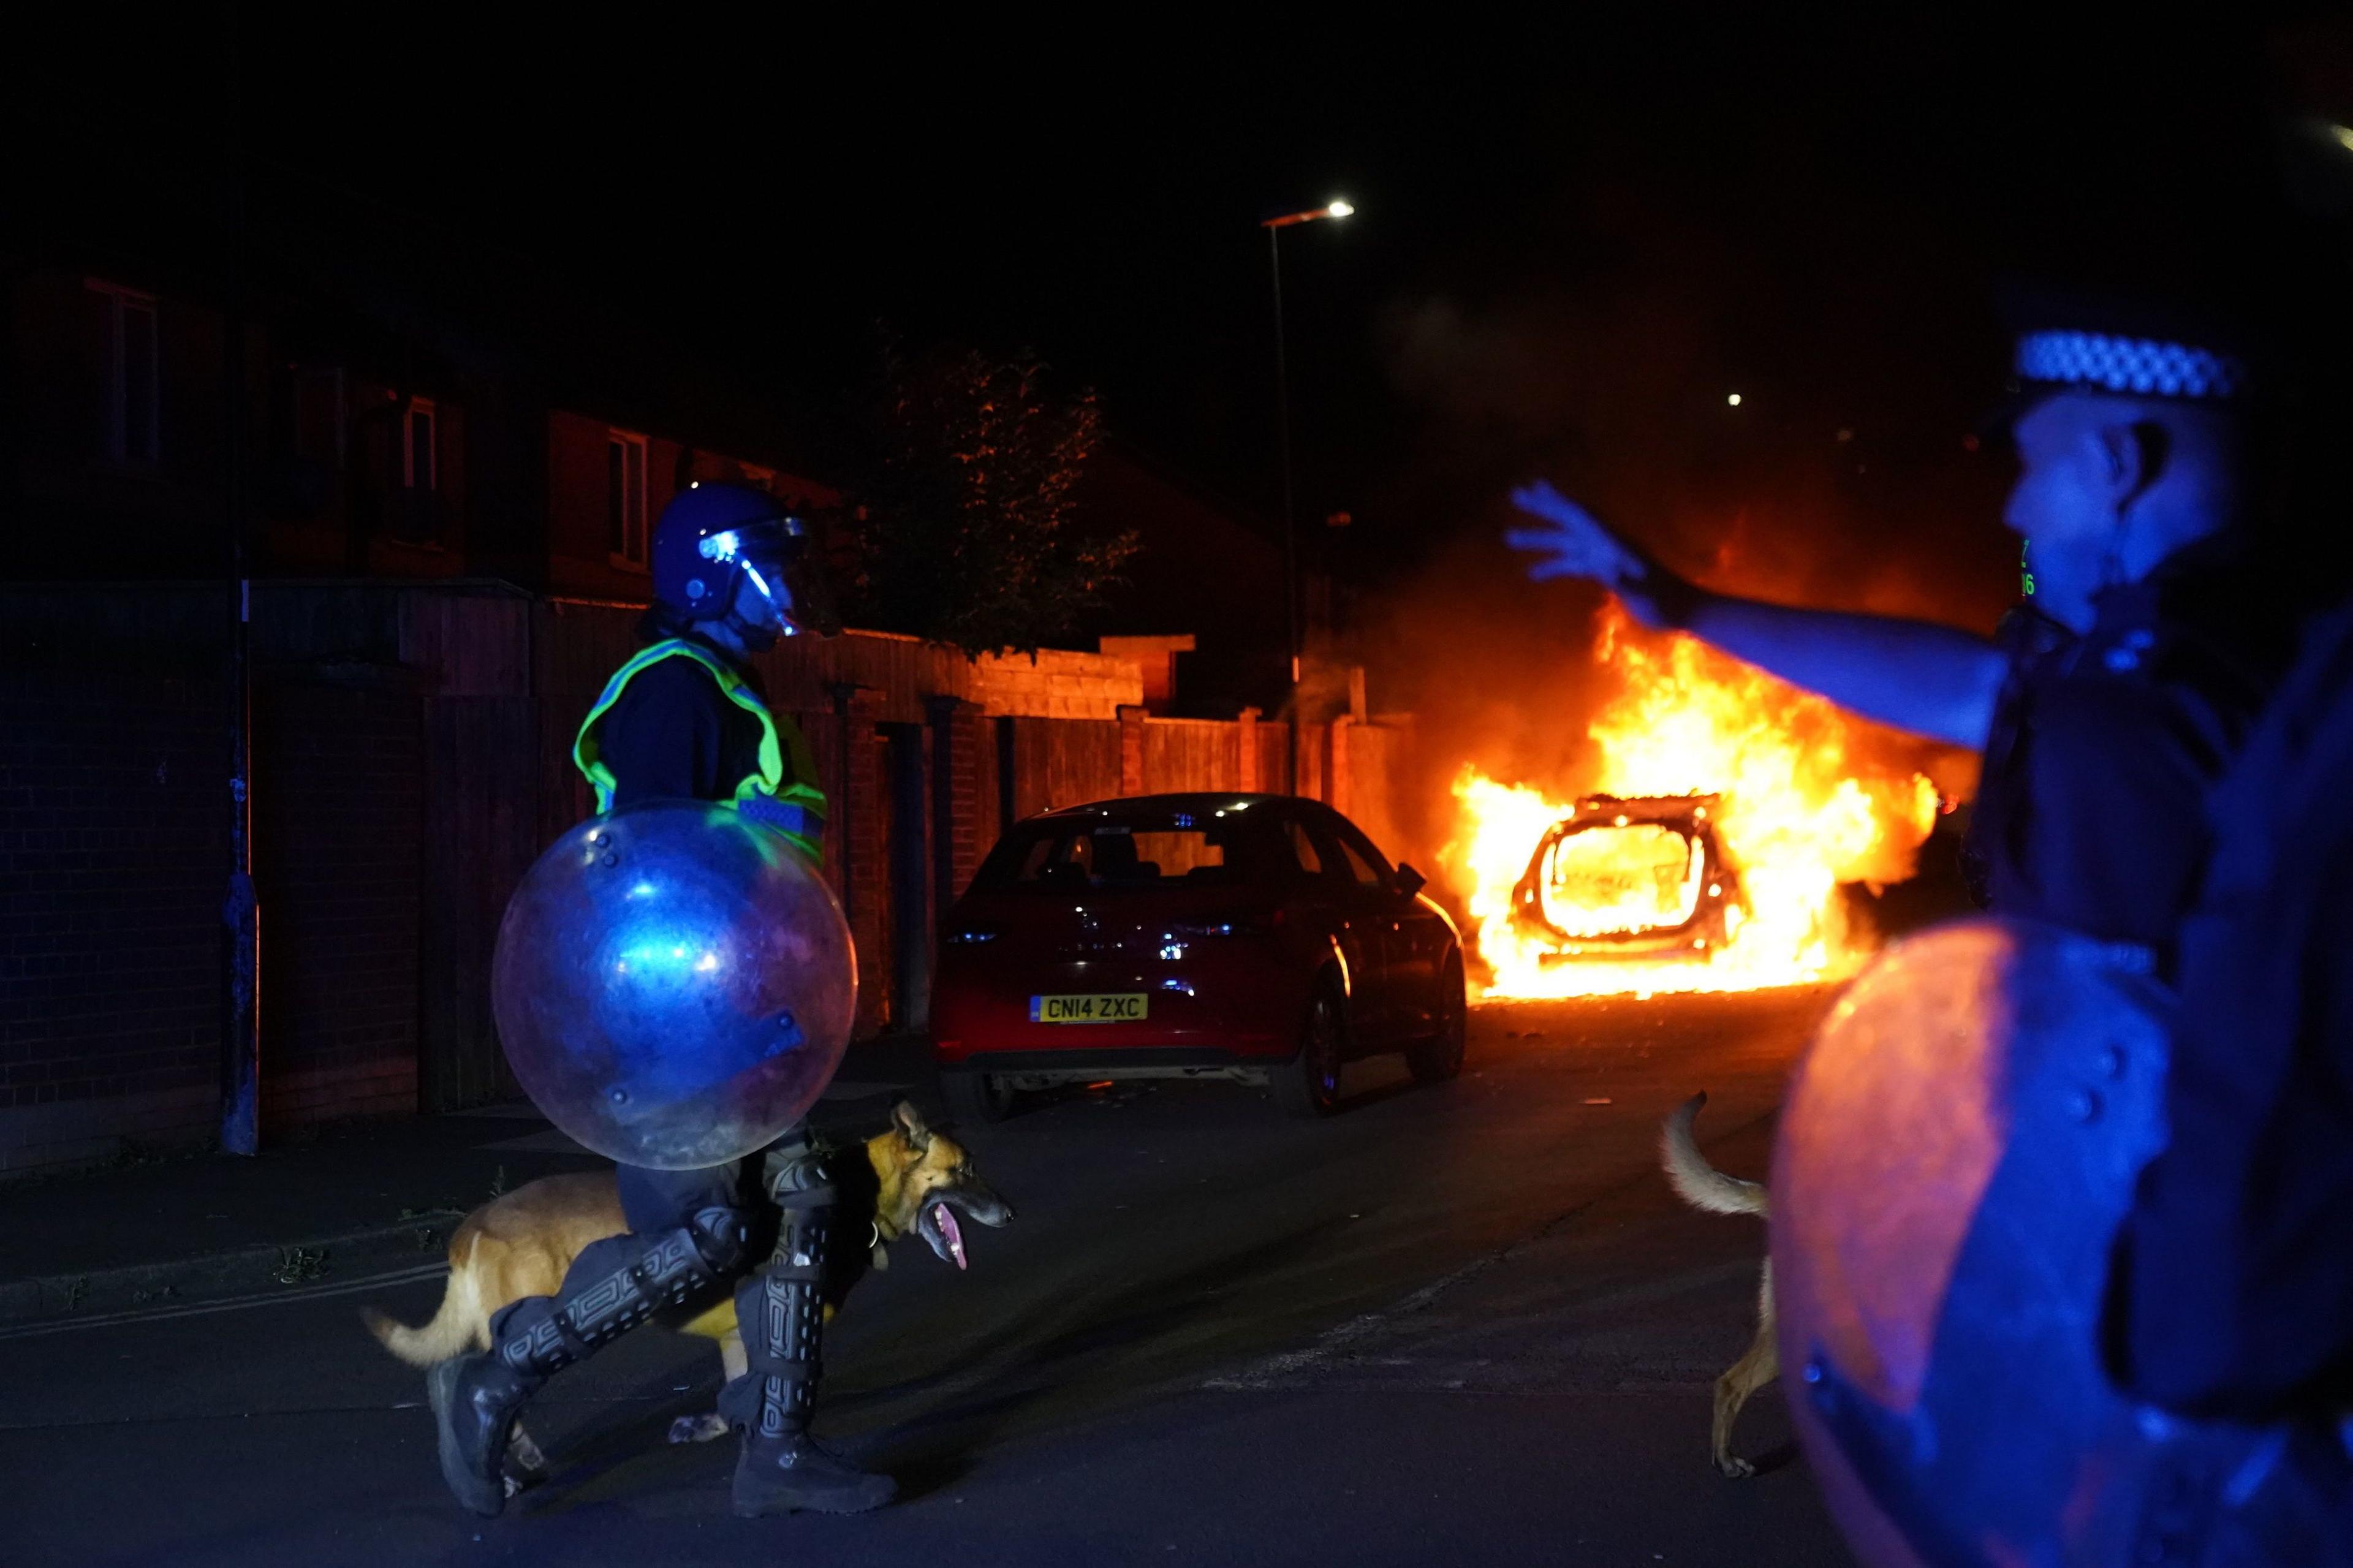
(1571, 542)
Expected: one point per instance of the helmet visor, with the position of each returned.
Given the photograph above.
(775, 559)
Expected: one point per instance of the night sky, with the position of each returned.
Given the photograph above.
(1573, 244)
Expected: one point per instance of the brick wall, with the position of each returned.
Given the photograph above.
(112, 850)
(963, 794)
(1057, 684)
(857, 847)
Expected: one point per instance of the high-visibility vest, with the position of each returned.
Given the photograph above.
(782, 793)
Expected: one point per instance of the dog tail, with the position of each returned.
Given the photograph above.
(451, 1331)
(1695, 1181)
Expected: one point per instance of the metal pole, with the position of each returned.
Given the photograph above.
(1283, 429)
(240, 1078)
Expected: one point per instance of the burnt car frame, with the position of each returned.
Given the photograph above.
(1692, 905)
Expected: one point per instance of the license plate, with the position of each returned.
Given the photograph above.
(1127, 1008)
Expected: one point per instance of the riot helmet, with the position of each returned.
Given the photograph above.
(713, 539)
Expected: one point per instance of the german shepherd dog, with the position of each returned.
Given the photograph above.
(520, 1244)
(1704, 1186)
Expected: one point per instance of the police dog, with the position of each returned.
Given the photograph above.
(521, 1243)
(1704, 1186)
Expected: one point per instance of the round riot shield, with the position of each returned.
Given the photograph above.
(1957, 1152)
(673, 985)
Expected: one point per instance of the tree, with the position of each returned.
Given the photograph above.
(965, 526)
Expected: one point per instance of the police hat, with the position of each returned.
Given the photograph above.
(2075, 340)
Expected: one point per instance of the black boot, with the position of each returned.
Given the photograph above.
(782, 1320)
(476, 1399)
(800, 1473)
(613, 1286)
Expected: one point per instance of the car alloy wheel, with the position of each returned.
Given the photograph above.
(1309, 1084)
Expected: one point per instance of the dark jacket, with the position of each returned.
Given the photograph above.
(2091, 812)
(2233, 1289)
(673, 735)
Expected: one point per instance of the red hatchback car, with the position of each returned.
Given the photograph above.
(1257, 938)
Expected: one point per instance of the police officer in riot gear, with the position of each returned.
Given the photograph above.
(684, 719)
(2109, 703)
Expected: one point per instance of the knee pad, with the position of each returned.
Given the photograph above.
(722, 1237)
(796, 1177)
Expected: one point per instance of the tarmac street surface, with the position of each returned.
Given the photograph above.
(1462, 1325)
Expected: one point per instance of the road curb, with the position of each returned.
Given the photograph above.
(63, 1296)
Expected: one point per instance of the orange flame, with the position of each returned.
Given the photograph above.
(1811, 796)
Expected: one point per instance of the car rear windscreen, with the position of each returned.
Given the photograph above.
(1621, 880)
(1128, 852)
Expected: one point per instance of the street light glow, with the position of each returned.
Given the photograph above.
(1734, 400)
(1338, 207)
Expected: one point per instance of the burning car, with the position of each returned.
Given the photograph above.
(1629, 880)
(1717, 814)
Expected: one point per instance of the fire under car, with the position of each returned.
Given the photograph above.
(1255, 938)
(1642, 879)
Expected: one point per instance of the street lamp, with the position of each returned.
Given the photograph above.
(1274, 228)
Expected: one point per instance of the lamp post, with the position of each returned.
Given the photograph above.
(1274, 228)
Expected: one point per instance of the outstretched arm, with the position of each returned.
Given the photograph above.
(1934, 679)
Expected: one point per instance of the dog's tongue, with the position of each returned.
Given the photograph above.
(949, 1231)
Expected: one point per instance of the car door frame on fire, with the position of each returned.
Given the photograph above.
(1324, 900)
(1366, 913)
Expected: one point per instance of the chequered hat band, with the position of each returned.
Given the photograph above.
(2137, 365)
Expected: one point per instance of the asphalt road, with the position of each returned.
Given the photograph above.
(1451, 1325)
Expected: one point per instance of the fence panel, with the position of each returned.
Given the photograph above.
(1064, 762)
(477, 646)
(1274, 759)
(1190, 754)
(338, 840)
(576, 647)
(483, 817)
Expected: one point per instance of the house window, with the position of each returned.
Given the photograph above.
(625, 498)
(419, 470)
(130, 430)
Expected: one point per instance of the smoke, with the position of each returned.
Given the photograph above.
(1857, 485)
(1852, 482)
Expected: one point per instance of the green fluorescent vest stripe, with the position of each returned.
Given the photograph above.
(779, 743)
